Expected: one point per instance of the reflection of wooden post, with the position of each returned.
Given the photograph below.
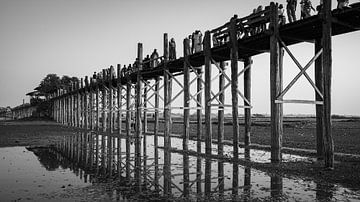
(235, 182)
(327, 71)
(207, 177)
(276, 186)
(111, 100)
(275, 87)
(186, 176)
(221, 179)
(319, 108)
(208, 124)
(221, 113)
(234, 85)
(198, 176)
(167, 118)
(186, 129)
(119, 98)
(247, 94)
(104, 102)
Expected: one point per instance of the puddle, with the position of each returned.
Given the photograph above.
(35, 175)
(104, 168)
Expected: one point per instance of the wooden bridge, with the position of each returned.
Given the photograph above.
(102, 103)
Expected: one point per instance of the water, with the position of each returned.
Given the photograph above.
(92, 167)
(28, 176)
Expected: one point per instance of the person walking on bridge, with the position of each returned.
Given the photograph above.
(306, 8)
(154, 59)
(291, 9)
(172, 49)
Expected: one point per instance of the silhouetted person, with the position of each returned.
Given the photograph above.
(291, 9)
(306, 8)
(146, 63)
(154, 59)
(282, 19)
(123, 71)
(190, 44)
(197, 41)
(319, 7)
(172, 49)
(342, 4)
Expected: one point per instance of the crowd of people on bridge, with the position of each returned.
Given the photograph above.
(196, 43)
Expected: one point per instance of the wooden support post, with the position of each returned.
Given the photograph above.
(156, 133)
(327, 72)
(247, 94)
(138, 128)
(234, 85)
(319, 108)
(221, 115)
(86, 103)
(275, 87)
(68, 120)
(167, 118)
(63, 112)
(78, 105)
(208, 123)
(91, 104)
(104, 102)
(97, 98)
(128, 127)
(186, 129)
(82, 101)
(199, 127)
(72, 102)
(145, 125)
(119, 97)
(111, 100)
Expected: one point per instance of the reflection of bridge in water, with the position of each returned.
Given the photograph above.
(190, 176)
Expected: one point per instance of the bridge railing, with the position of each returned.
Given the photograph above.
(250, 25)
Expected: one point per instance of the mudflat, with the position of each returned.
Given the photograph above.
(298, 134)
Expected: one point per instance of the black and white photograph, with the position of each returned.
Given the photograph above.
(179, 100)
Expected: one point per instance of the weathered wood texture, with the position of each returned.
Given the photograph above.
(275, 87)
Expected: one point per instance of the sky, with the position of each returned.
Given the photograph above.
(79, 37)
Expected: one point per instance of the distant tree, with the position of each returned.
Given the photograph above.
(52, 82)
(66, 81)
(49, 84)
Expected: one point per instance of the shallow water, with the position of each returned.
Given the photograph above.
(92, 167)
(28, 176)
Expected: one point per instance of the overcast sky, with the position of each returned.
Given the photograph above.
(78, 37)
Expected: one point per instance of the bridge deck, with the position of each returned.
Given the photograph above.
(309, 29)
